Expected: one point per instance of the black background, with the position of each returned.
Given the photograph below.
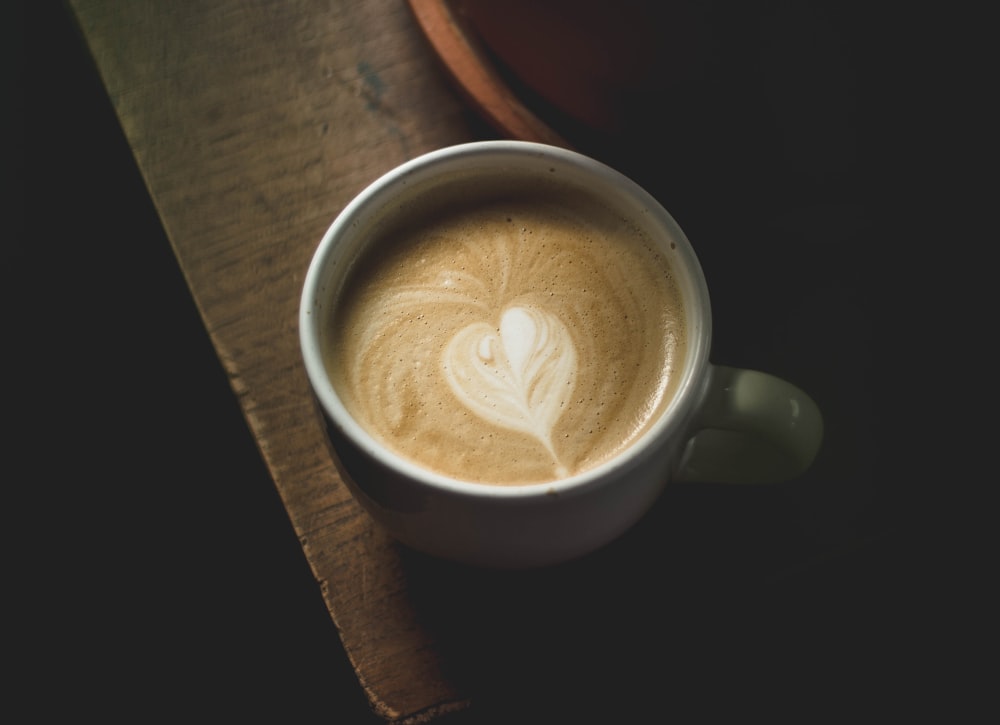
(156, 575)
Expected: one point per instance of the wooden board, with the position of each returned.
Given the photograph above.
(253, 125)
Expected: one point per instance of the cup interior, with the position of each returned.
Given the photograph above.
(484, 168)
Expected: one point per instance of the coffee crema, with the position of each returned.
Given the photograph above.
(515, 341)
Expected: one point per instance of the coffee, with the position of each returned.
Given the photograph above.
(516, 338)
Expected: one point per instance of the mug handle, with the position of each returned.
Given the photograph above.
(752, 427)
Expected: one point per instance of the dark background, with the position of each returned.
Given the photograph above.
(156, 575)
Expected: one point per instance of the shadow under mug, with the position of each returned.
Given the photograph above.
(723, 424)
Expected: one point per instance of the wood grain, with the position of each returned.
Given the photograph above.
(253, 124)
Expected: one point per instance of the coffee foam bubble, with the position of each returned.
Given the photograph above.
(513, 342)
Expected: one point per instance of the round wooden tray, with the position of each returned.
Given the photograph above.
(569, 72)
(468, 62)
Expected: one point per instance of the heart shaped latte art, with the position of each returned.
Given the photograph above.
(517, 376)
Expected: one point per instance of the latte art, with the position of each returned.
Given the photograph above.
(519, 377)
(514, 342)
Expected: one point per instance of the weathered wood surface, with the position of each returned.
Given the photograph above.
(253, 124)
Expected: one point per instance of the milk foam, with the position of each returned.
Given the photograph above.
(516, 342)
(519, 376)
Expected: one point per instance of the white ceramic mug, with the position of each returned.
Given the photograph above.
(724, 424)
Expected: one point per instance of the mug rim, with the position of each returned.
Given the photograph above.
(671, 419)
